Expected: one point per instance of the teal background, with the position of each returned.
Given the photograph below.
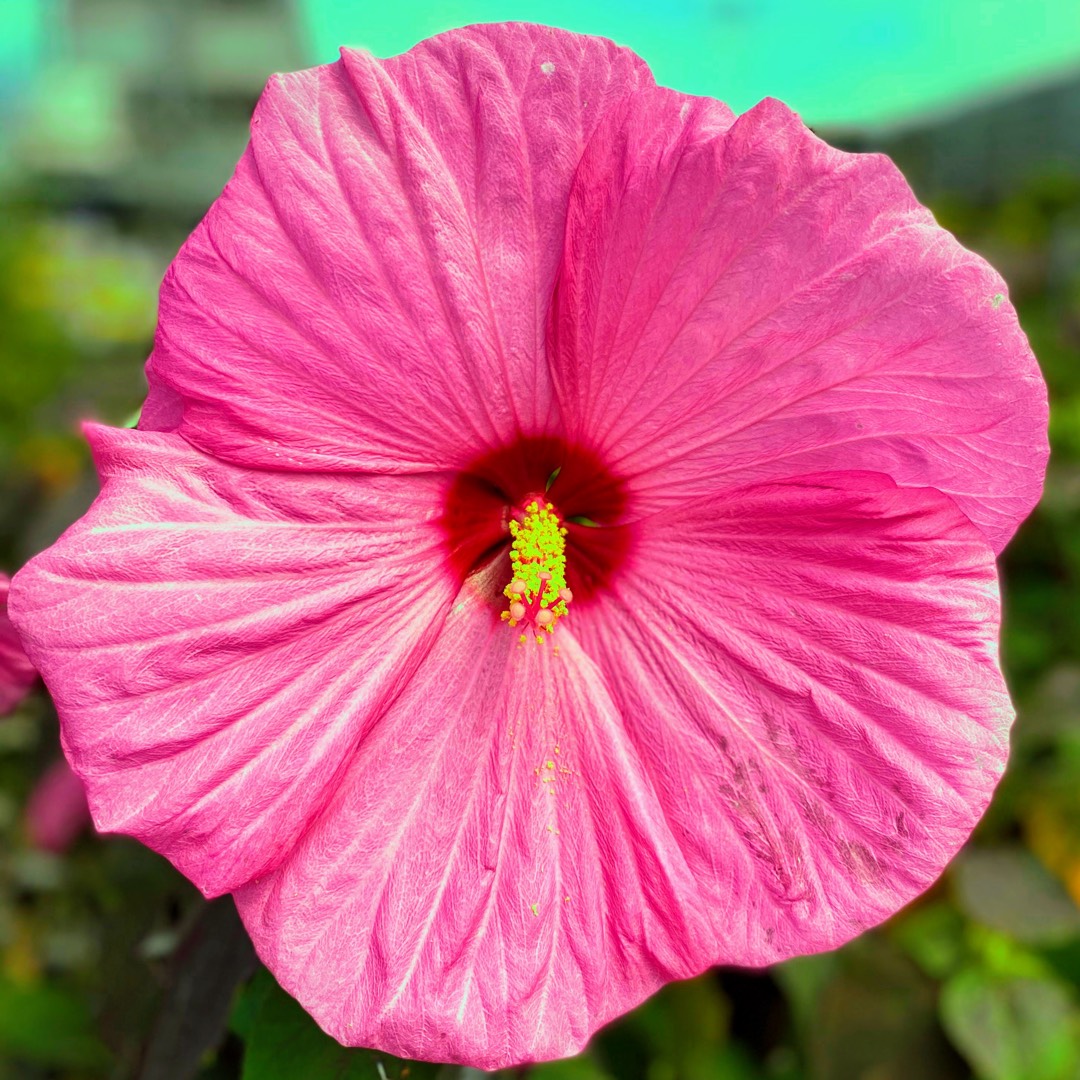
(838, 62)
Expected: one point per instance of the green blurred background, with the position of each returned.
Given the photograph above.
(120, 121)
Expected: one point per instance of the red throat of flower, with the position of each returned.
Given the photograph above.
(554, 513)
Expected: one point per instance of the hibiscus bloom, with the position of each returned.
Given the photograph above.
(755, 428)
(57, 811)
(17, 674)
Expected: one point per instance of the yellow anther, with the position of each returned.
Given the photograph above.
(537, 592)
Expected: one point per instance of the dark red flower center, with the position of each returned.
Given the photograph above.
(497, 488)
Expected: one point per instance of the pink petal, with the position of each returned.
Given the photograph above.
(17, 674)
(57, 810)
(495, 878)
(777, 731)
(808, 670)
(754, 304)
(371, 288)
(217, 641)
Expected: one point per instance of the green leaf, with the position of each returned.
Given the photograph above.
(932, 934)
(47, 1026)
(284, 1043)
(582, 1067)
(681, 1033)
(1009, 890)
(869, 1013)
(803, 980)
(1012, 1028)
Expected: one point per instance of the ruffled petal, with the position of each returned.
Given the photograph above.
(17, 674)
(218, 641)
(809, 671)
(495, 878)
(754, 304)
(371, 288)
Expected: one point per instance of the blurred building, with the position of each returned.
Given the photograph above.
(142, 109)
(987, 151)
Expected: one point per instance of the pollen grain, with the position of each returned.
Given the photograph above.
(537, 591)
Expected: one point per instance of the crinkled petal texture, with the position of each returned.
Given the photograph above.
(495, 877)
(17, 674)
(809, 671)
(775, 731)
(217, 642)
(755, 305)
(772, 736)
(371, 289)
(773, 727)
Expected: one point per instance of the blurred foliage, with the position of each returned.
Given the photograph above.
(106, 953)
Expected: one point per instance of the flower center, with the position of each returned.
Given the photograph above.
(577, 533)
(537, 592)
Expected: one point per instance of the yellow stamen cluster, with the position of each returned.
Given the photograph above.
(538, 559)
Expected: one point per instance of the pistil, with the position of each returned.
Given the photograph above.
(537, 592)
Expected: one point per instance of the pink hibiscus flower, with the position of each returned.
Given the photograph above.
(756, 428)
(57, 811)
(17, 674)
